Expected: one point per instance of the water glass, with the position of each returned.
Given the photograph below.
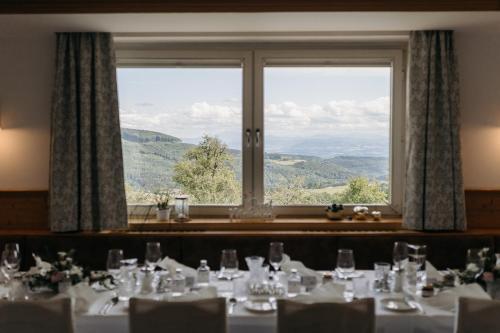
(229, 262)
(276, 250)
(114, 262)
(12, 246)
(153, 255)
(417, 255)
(381, 270)
(400, 255)
(345, 263)
(361, 287)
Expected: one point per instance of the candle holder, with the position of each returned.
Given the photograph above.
(181, 208)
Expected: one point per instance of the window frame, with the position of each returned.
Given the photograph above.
(253, 58)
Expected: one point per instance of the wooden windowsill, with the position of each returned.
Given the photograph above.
(279, 224)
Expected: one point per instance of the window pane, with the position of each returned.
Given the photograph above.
(181, 131)
(327, 133)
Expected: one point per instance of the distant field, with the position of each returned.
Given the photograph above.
(287, 162)
(329, 189)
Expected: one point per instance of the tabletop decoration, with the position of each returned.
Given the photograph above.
(488, 276)
(335, 212)
(360, 213)
(62, 273)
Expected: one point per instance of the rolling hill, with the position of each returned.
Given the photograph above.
(149, 158)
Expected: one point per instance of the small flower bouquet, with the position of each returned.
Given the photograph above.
(488, 275)
(50, 275)
(334, 211)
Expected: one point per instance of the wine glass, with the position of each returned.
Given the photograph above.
(229, 263)
(12, 246)
(345, 263)
(114, 262)
(11, 261)
(475, 262)
(276, 256)
(153, 255)
(400, 255)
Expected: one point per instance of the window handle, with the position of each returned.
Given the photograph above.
(248, 134)
(257, 138)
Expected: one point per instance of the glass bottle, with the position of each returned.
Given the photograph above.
(178, 282)
(294, 283)
(203, 273)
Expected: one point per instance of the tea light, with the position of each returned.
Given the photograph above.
(181, 208)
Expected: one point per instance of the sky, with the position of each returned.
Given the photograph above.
(345, 106)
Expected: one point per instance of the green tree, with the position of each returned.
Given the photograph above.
(360, 190)
(290, 193)
(205, 173)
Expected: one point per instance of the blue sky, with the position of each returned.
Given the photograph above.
(301, 104)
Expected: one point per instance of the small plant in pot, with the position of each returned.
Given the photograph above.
(162, 200)
(335, 212)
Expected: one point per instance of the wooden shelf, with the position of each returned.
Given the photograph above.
(280, 224)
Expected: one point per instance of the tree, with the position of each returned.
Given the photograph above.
(361, 191)
(205, 173)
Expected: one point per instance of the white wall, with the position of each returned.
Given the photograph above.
(27, 59)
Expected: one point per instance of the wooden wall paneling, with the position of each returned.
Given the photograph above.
(483, 209)
(145, 6)
(24, 210)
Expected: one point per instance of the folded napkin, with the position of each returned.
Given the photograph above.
(196, 295)
(446, 300)
(287, 265)
(82, 296)
(171, 265)
(328, 292)
(432, 273)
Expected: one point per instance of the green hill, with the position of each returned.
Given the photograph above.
(150, 157)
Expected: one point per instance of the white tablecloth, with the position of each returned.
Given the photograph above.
(241, 321)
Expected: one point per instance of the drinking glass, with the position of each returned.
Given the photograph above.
(114, 262)
(11, 260)
(475, 262)
(382, 270)
(229, 263)
(417, 256)
(276, 256)
(361, 287)
(153, 255)
(345, 263)
(400, 255)
(12, 246)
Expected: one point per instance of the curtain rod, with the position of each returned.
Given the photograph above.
(262, 36)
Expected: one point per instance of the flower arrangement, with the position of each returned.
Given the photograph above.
(161, 198)
(334, 211)
(488, 273)
(49, 275)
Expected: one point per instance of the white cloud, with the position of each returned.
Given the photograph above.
(286, 119)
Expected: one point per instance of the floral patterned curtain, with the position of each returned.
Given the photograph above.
(87, 189)
(434, 196)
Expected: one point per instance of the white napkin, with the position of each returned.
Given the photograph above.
(171, 265)
(446, 300)
(82, 296)
(432, 273)
(328, 292)
(287, 265)
(196, 295)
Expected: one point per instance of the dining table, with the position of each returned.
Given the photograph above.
(429, 317)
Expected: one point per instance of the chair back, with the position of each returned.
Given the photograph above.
(54, 316)
(297, 317)
(201, 316)
(477, 315)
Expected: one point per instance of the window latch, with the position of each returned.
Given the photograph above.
(248, 134)
(257, 138)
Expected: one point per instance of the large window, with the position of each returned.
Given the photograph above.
(303, 128)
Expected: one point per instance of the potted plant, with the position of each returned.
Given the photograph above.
(335, 212)
(162, 200)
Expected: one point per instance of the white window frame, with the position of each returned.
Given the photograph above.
(253, 59)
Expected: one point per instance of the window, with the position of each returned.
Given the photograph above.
(303, 128)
